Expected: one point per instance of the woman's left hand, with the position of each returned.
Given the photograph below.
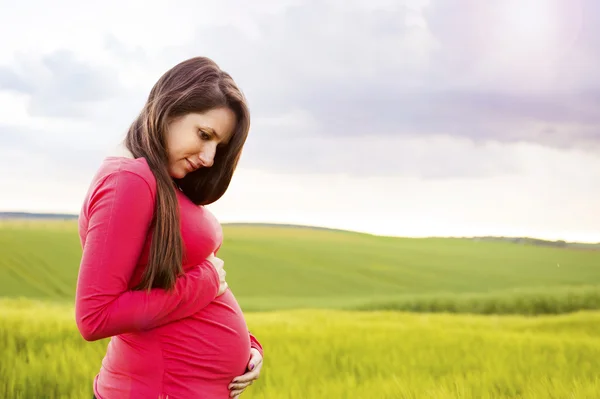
(239, 384)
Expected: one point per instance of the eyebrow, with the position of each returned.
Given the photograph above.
(210, 130)
(213, 131)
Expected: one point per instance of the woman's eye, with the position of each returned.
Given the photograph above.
(204, 136)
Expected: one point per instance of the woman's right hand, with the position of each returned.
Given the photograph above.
(218, 264)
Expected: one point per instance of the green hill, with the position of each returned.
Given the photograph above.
(270, 267)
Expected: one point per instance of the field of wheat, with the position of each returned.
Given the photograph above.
(487, 320)
(340, 354)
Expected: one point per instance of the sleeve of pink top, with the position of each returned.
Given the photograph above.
(119, 214)
(256, 345)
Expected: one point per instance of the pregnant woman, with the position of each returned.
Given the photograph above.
(149, 276)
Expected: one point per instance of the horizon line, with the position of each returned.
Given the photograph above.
(62, 215)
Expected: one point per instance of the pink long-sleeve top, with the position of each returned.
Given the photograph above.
(189, 343)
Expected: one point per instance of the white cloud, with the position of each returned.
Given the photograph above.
(552, 197)
(392, 117)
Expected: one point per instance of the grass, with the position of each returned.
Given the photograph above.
(330, 309)
(273, 268)
(335, 354)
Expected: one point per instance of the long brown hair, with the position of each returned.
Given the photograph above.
(194, 85)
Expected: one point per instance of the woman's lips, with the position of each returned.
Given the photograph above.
(192, 165)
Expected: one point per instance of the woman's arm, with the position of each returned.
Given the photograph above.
(119, 215)
(255, 344)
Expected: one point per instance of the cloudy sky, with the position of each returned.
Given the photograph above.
(406, 117)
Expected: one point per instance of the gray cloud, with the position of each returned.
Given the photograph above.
(324, 79)
(361, 71)
(439, 158)
(478, 116)
(59, 84)
(134, 54)
(10, 80)
(360, 75)
(53, 148)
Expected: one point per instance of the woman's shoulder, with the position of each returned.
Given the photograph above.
(126, 184)
(127, 168)
(119, 161)
(121, 175)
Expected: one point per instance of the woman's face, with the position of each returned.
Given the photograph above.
(192, 139)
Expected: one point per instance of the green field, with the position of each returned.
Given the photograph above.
(281, 268)
(338, 354)
(350, 340)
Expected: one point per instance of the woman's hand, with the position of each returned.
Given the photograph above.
(239, 384)
(219, 266)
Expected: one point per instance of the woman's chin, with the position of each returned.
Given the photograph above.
(177, 173)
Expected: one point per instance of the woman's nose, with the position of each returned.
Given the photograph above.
(206, 159)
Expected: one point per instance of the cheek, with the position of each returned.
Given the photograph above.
(181, 147)
(182, 141)
(171, 145)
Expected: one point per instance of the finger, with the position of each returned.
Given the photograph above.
(240, 385)
(252, 375)
(236, 394)
(255, 360)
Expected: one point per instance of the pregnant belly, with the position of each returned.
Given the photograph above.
(206, 351)
(194, 357)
